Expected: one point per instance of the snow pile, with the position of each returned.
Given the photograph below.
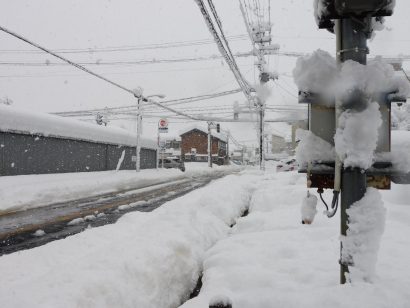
(149, 260)
(312, 148)
(34, 123)
(308, 209)
(316, 73)
(361, 245)
(272, 260)
(356, 137)
(377, 76)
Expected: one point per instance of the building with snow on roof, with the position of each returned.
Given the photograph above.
(194, 145)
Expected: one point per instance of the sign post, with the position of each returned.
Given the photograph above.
(162, 129)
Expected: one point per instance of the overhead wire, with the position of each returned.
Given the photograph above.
(230, 60)
(128, 48)
(138, 95)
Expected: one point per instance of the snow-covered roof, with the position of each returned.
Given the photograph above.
(24, 121)
(219, 136)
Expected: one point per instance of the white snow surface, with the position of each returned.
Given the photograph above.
(144, 260)
(356, 137)
(268, 259)
(366, 226)
(271, 260)
(375, 77)
(28, 191)
(312, 148)
(318, 73)
(24, 121)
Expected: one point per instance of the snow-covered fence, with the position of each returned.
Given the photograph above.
(35, 143)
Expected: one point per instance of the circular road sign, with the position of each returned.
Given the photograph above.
(163, 123)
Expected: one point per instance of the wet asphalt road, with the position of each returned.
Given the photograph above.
(17, 230)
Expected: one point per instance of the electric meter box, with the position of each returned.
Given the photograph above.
(322, 123)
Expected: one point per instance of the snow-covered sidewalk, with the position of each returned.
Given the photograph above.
(268, 259)
(144, 260)
(29, 191)
(271, 260)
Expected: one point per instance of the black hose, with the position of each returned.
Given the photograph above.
(335, 204)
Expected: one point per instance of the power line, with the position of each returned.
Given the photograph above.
(125, 63)
(128, 48)
(62, 74)
(224, 49)
(169, 102)
(138, 95)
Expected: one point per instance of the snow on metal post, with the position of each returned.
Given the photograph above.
(353, 39)
(139, 126)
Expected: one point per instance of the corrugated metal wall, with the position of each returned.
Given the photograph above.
(31, 154)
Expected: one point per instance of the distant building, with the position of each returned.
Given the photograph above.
(172, 148)
(194, 146)
(279, 144)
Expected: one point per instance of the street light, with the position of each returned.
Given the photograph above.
(140, 97)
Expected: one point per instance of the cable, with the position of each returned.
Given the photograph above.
(230, 60)
(94, 74)
(180, 100)
(129, 48)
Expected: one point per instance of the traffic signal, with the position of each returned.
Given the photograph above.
(218, 128)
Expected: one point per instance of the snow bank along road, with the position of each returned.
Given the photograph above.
(267, 259)
(38, 225)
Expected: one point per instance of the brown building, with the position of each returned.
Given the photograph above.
(194, 146)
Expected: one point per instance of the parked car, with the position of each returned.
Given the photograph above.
(287, 165)
(172, 163)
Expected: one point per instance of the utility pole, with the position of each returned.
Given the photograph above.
(352, 22)
(260, 35)
(139, 126)
(209, 145)
(351, 38)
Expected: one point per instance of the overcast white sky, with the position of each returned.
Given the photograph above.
(72, 24)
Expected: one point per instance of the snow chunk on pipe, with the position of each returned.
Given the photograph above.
(356, 137)
(366, 226)
(308, 209)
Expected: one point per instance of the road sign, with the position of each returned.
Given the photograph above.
(163, 126)
(133, 158)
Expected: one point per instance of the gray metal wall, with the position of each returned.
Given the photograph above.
(31, 154)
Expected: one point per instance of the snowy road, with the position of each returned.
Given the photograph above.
(37, 226)
(267, 259)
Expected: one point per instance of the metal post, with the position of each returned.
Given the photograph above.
(227, 145)
(138, 147)
(209, 146)
(352, 45)
(157, 164)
